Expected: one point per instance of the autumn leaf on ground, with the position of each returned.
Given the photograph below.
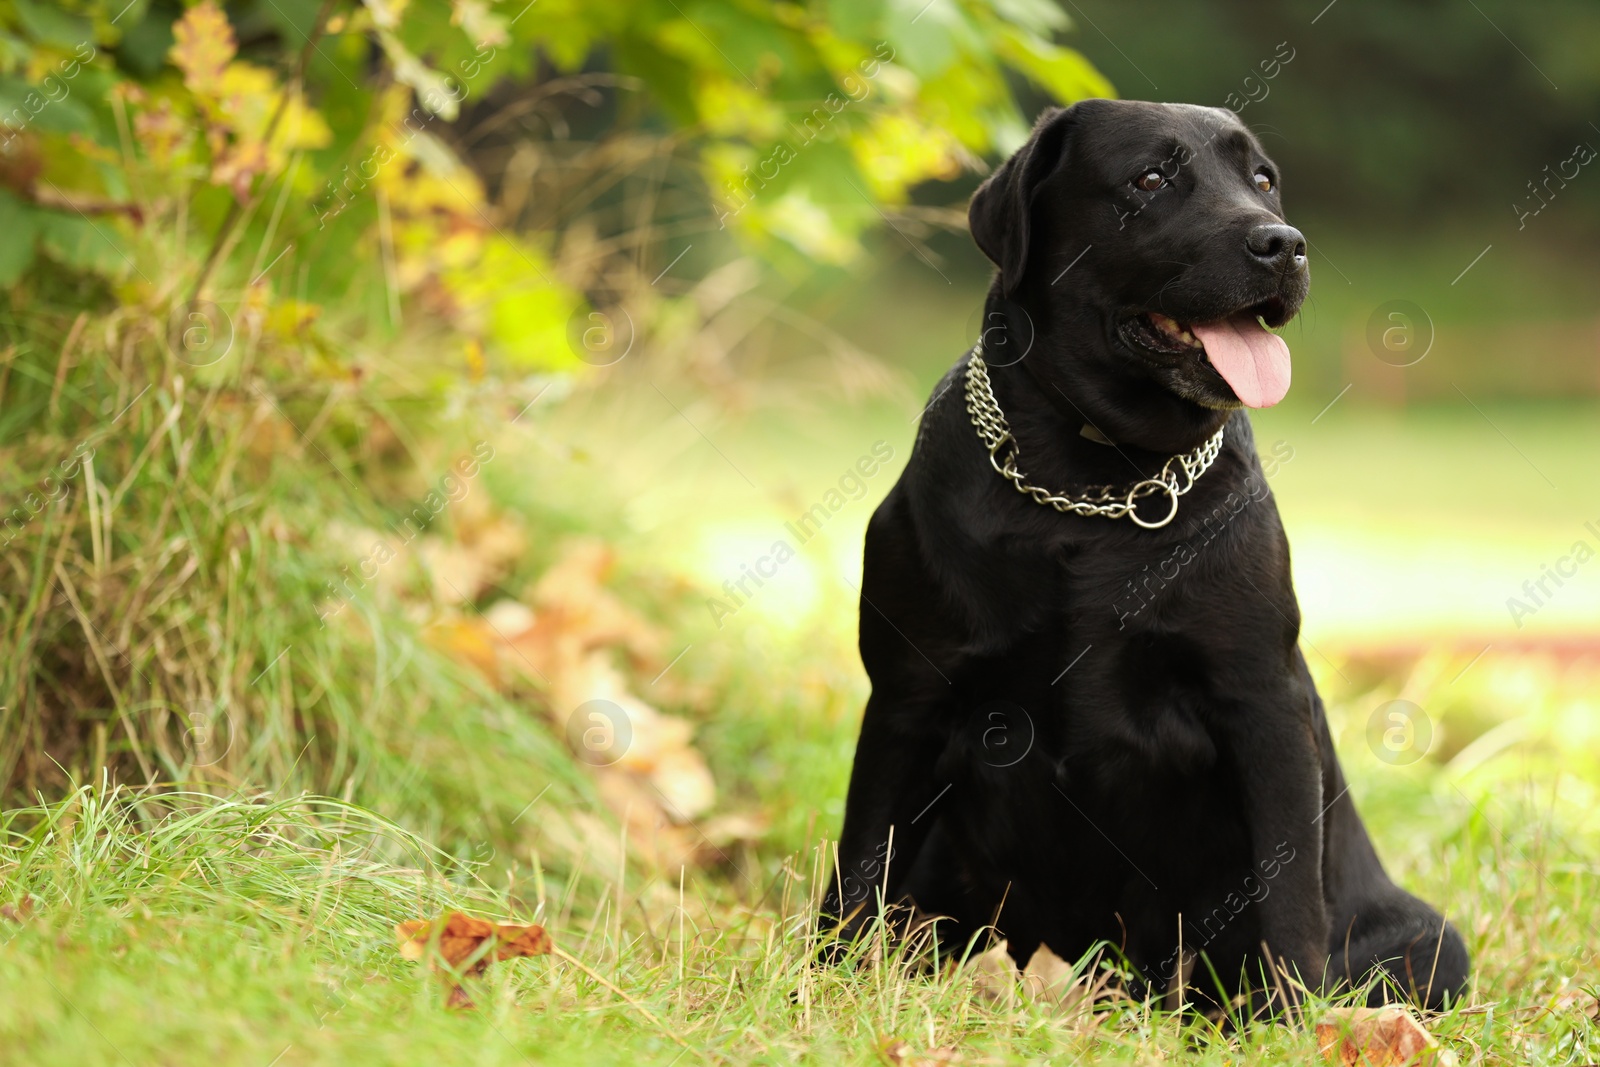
(467, 640)
(202, 47)
(898, 1052)
(1378, 1037)
(657, 748)
(1047, 980)
(1050, 979)
(466, 945)
(21, 911)
(486, 544)
(573, 596)
(567, 616)
(994, 973)
(565, 637)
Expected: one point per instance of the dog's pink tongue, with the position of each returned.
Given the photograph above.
(1254, 361)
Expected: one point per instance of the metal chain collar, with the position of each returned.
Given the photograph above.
(1176, 477)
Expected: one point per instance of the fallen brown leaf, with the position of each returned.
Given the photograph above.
(486, 545)
(457, 572)
(1378, 1037)
(21, 911)
(463, 938)
(1047, 975)
(574, 591)
(467, 640)
(1047, 979)
(565, 637)
(659, 750)
(460, 938)
(994, 974)
(897, 1052)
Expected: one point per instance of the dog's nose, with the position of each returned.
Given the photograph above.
(1281, 247)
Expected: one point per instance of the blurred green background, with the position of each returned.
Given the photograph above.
(1436, 470)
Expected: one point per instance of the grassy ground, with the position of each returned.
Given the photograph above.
(236, 925)
(195, 930)
(259, 931)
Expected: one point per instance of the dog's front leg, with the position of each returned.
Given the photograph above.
(1275, 750)
(887, 817)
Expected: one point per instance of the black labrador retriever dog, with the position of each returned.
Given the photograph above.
(1090, 719)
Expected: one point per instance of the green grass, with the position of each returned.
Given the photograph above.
(192, 929)
(247, 919)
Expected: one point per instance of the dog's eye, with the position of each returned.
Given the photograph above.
(1150, 180)
(1263, 181)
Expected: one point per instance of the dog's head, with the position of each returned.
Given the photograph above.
(1151, 237)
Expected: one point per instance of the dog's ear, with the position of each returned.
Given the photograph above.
(1001, 213)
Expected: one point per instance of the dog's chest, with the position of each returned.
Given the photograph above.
(1124, 691)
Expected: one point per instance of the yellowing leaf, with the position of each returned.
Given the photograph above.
(386, 13)
(501, 295)
(289, 320)
(202, 47)
(1065, 73)
(162, 132)
(731, 108)
(238, 105)
(246, 97)
(895, 152)
(804, 223)
(469, 640)
(480, 23)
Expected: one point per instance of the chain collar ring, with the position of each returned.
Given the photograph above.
(1176, 477)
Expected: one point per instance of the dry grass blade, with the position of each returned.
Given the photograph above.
(640, 1008)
